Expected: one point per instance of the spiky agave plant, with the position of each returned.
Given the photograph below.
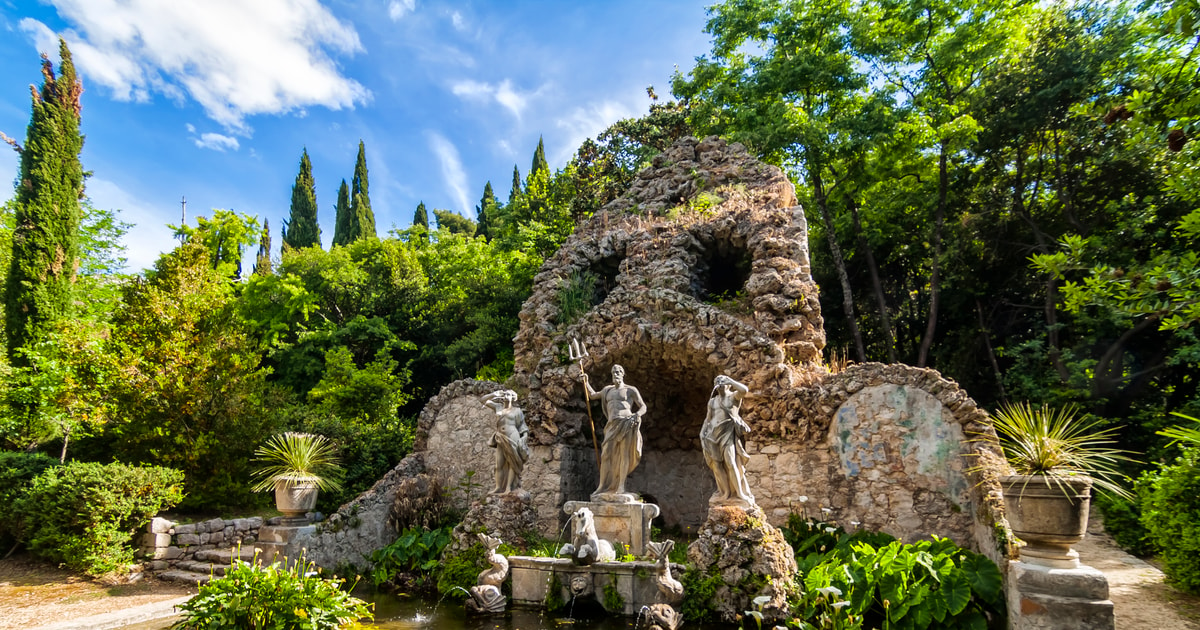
(1189, 436)
(297, 458)
(1058, 444)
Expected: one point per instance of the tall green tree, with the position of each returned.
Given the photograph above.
(539, 158)
(301, 229)
(45, 242)
(360, 199)
(516, 185)
(454, 222)
(262, 262)
(344, 225)
(225, 237)
(485, 212)
(421, 221)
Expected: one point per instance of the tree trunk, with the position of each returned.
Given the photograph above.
(987, 342)
(935, 273)
(838, 262)
(885, 320)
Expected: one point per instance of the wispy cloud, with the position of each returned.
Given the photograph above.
(452, 170)
(586, 122)
(456, 19)
(397, 9)
(503, 94)
(149, 237)
(234, 58)
(216, 142)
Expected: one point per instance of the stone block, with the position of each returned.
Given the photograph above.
(255, 522)
(205, 538)
(241, 524)
(172, 553)
(216, 525)
(190, 528)
(159, 565)
(1042, 598)
(151, 541)
(160, 525)
(187, 539)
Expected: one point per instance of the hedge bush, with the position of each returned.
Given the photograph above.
(85, 514)
(1170, 502)
(17, 470)
(275, 597)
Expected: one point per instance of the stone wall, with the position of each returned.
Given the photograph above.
(166, 544)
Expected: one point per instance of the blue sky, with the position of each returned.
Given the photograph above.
(214, 99)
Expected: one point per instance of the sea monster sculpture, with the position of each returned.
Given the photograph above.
(663, 615)
(586, 546)
(486, 596)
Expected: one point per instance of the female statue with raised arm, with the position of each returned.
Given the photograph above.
(509, 439)
(723, 439)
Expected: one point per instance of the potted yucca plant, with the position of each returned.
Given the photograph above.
(1057, 459)
(297, 466)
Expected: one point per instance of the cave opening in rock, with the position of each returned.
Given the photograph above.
(605, 270)
(675, 383)
(722, 269)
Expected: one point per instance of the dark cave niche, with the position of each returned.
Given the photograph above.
(675, 383)
(721, 271)
(605, 270)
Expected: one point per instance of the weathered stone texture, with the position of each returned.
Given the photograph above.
(751, 557)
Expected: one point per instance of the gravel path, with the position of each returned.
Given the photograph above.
(1142, 600)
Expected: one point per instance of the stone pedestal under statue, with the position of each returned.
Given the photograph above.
(507, 516)
(625, 523)
(739, 543)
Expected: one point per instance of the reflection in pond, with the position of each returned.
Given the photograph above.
(404, 613)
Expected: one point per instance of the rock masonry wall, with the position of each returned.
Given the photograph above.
(166, 544)
(701, 269)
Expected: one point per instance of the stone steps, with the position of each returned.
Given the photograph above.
(212, 563)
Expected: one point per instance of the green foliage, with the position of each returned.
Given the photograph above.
(699, 595)
(1170, 505)
(190, 391)
(461, 571)
(17, 471)
(1189, 436)
(416, 550)
(86, 514)
(225, 237)
(927, 584)
(275, 597)
(553, 602)
(262, 262)
(454, 222)
(297, 458)
(613, 601)
(300, 229)
(1123, 521)
(576, 297)
(372, 393)
(45, 241)
(421, 219)
(1055, 444)
(355, 220)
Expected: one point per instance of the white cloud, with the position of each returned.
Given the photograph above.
(399, 8)
(216, 142)
(148, 238)
(190, 128)
(456, 19)
(587, 121)
(452, 170)
(234, 58)
(504, 94)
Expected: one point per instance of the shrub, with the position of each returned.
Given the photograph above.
(869, 579)
(416, 550)
(85, 514)
(1170, 502)
(17, 471)
(252, 597)
(1123, 521)
(461, 571)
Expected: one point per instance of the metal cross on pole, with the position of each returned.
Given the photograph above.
(579, 353)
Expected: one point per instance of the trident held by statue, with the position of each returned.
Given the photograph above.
(579, 353)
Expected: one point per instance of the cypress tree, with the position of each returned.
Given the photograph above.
(45, 241)
(539, 158)
(345, 228)
(516, 185)
(262, 264)
(302, 229)
(360, 198)
(421, 219)
(484, 212)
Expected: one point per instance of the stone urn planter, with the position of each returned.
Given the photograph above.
(296, 466)
(295, 498)
(1050, 514)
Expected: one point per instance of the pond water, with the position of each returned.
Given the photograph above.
(398, 612)
(413, 613)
